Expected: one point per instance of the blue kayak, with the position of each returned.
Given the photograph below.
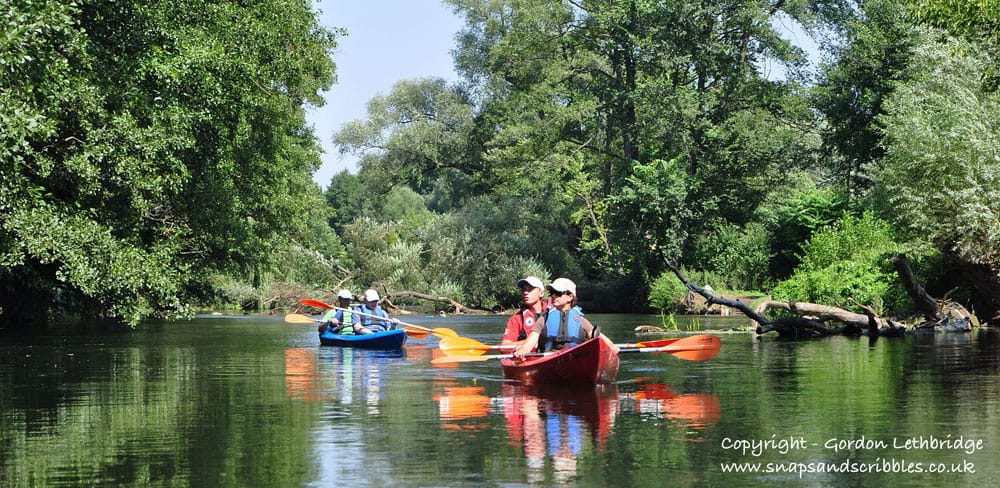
(390, 339)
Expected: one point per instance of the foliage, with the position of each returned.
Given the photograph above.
(476, 255)
(667, 293)
(794, 219)
(851, 90)
(941, 175)
(144, 144)
(848, 261)
(975, 20)
(739, 256)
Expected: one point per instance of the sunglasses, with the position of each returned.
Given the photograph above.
(553, 293)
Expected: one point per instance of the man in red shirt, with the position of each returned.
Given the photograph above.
(533, 307)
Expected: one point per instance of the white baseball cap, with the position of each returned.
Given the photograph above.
(371, 295)
(563, 284)
(345, 294)
(531, 280)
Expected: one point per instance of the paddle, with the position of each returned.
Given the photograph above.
(294, 318)
(695, 348)
(456, 346)
(412, 330)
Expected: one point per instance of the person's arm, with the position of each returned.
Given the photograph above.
(530, 343)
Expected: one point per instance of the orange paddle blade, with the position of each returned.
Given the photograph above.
(444, 332)
(700, 347)
(416, 333)
(309, 302)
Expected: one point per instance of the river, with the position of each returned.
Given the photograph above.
(254, 401)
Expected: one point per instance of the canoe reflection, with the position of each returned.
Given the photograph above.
(558, 422)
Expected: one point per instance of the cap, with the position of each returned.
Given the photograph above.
(345, 294)
(531, 280)
(371, 295)
(563, 284)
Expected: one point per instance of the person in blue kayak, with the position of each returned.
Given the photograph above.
(562, 325)
(370, 318)
(339, 320)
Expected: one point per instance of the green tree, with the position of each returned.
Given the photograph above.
(940, 180)
(977, 21)
(146, 144)
(868, 62)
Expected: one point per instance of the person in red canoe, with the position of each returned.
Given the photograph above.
(562, 325)
(533, 306)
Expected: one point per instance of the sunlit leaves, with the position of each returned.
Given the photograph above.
(941, 174)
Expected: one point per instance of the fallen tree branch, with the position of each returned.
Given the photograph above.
(455, 307)
(738, 305)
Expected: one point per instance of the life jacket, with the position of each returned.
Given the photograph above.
(346, 325)
(563, 329)
(373, 324)
(344, 317)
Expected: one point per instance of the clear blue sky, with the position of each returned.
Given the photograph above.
(387, 41)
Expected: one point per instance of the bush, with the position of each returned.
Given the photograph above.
(850, 260)
(667, 293)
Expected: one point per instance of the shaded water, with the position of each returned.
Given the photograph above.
(238, 401)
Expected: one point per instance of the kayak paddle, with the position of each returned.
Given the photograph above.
(695, 348)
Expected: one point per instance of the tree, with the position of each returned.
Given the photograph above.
(977, 21)
(149, 143)
(941, 178)
(870, 60)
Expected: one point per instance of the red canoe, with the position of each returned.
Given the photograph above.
(594, 361)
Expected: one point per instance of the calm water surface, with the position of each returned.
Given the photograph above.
(237, 401)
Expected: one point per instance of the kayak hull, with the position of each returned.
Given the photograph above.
(594, 361)
(389, 339)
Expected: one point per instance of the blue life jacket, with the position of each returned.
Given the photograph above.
(373, 324)
(563, 330)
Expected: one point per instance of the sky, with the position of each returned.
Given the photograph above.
(387, 41)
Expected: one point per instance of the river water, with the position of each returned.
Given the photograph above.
(253, 401)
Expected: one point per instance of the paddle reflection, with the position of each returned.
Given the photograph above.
(696, 410)
(461, 408)
(301, 382)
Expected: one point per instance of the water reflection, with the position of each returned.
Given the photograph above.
(695, 410)
(555, 425)
(336, 374)
(558, 423)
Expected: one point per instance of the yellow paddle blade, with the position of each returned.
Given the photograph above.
(444, 332)
(294, 318)
(458, 346)
(463, 359)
